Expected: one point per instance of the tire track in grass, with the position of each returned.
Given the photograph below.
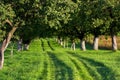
(37, 62)
(75, 75)
(34, 59)
(36, 45)
(49, 43)
(51, 68)
(48, 71)
(82, 71)
(42, 45)
(88, 70)
(62, 71)
(46, 45)
(44, 71)
(105, 72)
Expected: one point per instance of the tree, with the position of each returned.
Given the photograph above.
(111, 17)
(57, 15)
(81, 22)
(97, 26)
(16, 13)
(6, 14)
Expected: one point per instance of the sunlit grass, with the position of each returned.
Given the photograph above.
(46, 60)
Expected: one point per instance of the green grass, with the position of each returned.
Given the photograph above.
(46, 60)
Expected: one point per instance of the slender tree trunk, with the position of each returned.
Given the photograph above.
(5, 45)
(73, 46)
(114, 43)
(67, 44)
(20, 45)
(1, 58)
(61, 42)
(95, 42)
(83, 47)
(64, 44)
(58, 41)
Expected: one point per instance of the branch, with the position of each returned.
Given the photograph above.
(9, 35)
(9, 22)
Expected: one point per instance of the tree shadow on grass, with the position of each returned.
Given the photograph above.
(62, 71)
(44, 72)
(50, 46)
(118, 68)
(90, 70)
(105, 72)
(79, 69)
(42, 45)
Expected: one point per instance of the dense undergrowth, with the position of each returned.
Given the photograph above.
(46, 60)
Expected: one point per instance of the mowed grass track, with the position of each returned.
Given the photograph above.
(46, 60)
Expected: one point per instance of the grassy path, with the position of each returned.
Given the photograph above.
(46, 60)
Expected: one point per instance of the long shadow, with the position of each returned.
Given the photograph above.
(117, 73)
(79, 69)
(44, 72)
(105, 72)
(92, 72)
(42, 45)
(61, 68)
(50, 46)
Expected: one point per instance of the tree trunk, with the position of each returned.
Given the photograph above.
(114, 43)
(1, 58)
(26, 46)
(20, 45)
(5, 45)
(67, 44)
(58, 41)
(61, 42)
(95, 43)
(73, 46)
(83, 47)
(64, 44)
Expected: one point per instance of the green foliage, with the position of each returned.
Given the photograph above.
(6, 12)
(58, 11)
